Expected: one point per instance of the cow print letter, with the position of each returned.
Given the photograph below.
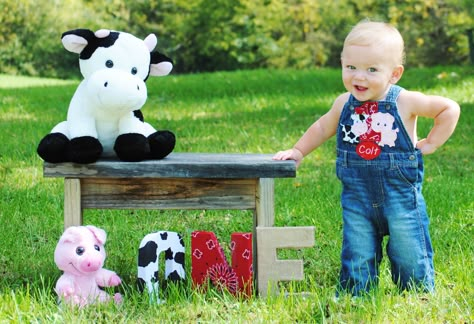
(150, 248)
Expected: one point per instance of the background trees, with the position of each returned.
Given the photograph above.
(209, 35)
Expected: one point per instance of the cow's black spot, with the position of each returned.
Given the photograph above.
(138, 114)
(164, 236)
(94, 42)
(179, 258)
(169, 254)
(174, 276)
(147, 254)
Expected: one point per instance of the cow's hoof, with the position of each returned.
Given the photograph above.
(53, 148)
(84, 149)
(161, 144)
(132, 147)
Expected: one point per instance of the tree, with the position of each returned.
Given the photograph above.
(210, 35)
(434, 31)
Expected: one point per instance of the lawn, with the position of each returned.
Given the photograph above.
(259, 111)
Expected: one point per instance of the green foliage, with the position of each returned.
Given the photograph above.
(207, 37)
(211, 35)
(30, 36)
(258, 111)
(439, 34)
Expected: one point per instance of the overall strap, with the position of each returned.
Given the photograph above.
(393, 93)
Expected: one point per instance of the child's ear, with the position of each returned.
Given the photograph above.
(397, 74)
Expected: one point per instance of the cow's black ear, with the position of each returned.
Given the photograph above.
(85, 41)
(160, 64)
(157, 57)
(86, 34)
(77, 39)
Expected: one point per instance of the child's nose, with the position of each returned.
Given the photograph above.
(359, 75)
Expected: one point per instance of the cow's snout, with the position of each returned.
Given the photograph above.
(106, 84)
(116, 91)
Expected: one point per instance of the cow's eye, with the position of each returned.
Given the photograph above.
(134, 70)
(80, 250)
(97, 247)
(109, 64)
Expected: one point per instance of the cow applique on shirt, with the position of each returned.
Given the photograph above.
(370, 130)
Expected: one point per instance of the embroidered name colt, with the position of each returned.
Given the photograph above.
(370, 130)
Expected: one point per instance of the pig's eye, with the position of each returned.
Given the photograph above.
(97, 247)
(80, 250)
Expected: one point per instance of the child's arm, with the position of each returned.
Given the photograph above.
(445, 113)
(320, 131)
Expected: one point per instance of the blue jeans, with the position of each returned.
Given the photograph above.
(383, 197)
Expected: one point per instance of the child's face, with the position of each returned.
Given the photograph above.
(368, 71)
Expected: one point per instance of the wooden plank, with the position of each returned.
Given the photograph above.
(72, 203)
(180, 165)
(156, 193)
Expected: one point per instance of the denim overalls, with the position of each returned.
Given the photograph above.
(381, 174)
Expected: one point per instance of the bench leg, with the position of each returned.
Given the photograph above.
(264, 217)
(265, 209)
(72, 202)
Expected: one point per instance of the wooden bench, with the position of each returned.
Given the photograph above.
(180, 181)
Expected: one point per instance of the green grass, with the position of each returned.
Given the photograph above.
(256, 112)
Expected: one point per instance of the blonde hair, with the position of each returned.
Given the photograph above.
(367, 33)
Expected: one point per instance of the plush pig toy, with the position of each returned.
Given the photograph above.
(80, 254)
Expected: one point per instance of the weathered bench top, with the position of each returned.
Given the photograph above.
(180, 165)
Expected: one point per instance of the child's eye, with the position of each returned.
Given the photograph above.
(372, 69)
(351, 67)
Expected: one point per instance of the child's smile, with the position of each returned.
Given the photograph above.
(360, 88)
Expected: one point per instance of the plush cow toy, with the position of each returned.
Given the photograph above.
(80, 254)
(103, 118)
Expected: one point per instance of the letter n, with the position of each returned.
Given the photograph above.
(209, 263)
(151, 246)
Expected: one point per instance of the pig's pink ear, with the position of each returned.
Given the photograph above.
(98, 233)
(71, 235)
